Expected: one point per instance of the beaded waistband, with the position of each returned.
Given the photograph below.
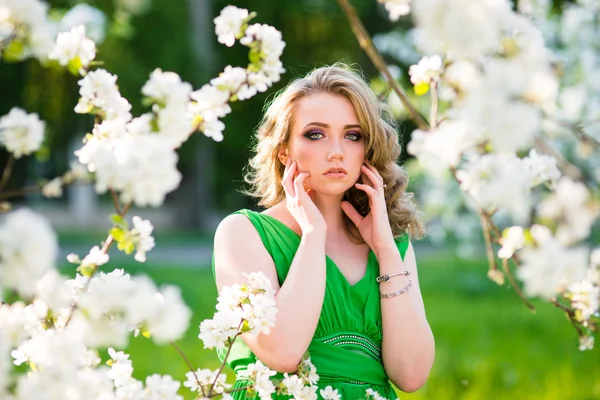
(353, 341)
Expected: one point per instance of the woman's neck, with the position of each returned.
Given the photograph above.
(330, 207)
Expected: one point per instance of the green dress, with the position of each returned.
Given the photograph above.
(346, 348)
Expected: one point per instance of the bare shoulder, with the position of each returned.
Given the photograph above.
(238, 249)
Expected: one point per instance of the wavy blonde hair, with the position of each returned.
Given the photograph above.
(382, 147)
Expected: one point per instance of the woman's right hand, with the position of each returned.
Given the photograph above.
(298, 201)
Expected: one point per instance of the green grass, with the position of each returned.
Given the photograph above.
(488, 344)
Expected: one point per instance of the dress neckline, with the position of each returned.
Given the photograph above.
(339, 271)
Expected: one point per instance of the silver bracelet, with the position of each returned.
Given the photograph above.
(398, 293)
(386, 277)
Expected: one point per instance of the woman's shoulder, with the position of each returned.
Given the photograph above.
(237, 222)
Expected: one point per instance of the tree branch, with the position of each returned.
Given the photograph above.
(7, 171)
(365, 42)
(190, 366)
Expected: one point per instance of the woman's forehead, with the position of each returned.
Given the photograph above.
(325, 108)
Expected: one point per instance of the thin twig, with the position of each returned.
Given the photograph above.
(365, 42)
(487, 225)
(105, 247)
(514, 285)
(7, 171)
(577, 130)
(33, 189)
(434, 105)
(567, 168)
(190, 366)
(8, 39)
(570, 313)
(488, 241)
(115, 200)
(210, 390)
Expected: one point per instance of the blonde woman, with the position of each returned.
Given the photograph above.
(333, 240)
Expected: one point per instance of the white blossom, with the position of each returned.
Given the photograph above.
(170, 317)
(542, 168)
(92, 18)
(123, 166)
(549, 267)
(330, 393)
(21, 133)
(497, 181)
(213, 129)
(427, 70)
(442, 147)
(142, 231)
(53, 188)
(162, 387)
(460, 26)
(74, 45)
(231, 79)
(96, 257)
(28, 248)
(99, 90)
(167, 89)
(216, 331)
(210, 103)
(585, 298)
(396, 8)
(206, 377)
(121, 367)
(228, 25)
(372, 394)
(175, 123)
(512, 240)
(569, 204)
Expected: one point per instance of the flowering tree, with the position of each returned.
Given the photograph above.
(52, 326)
(507, 120)
(512, 125)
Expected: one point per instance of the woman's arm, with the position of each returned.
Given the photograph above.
(408, 346)
(239, 249)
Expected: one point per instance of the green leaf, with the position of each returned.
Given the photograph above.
(74, 66)
(245, 327)
(118, 220)
(118, 234)
(86, 270)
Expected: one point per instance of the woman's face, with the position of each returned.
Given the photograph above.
(325, 134)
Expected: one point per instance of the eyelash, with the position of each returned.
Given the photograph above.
(309, 135)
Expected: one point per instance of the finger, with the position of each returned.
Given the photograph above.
(375, 180)
(299, 183)
(351, 212)
(287, 181)
(375, 170)
(370, 191)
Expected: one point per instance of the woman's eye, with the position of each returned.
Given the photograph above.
(313, 135)
(354, 136)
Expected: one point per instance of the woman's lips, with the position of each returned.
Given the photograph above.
(335, 175)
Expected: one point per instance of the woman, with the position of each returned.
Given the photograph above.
(337, 222)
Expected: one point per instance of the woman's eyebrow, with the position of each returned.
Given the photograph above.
(327, 125)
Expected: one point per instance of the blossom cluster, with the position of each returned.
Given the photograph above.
(59, 322)
(27, 30)
(507, 120)
(241, 308)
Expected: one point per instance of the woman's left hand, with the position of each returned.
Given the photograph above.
(374, 227)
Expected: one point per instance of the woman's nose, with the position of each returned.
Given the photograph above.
(335, 151)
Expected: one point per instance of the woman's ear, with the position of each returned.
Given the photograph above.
(282, 154)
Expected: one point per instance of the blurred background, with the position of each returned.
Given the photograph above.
(489, 346)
